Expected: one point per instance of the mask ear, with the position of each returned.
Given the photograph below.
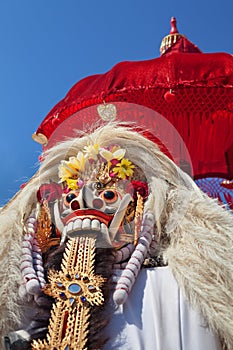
(49, 192)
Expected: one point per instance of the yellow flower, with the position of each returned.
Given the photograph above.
(70, 169)
(124, 169)
(91, 151)
(72, 184)
(81, 160)
(67, 170)
(117, 153)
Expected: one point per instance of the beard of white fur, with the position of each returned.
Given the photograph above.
(199, 248)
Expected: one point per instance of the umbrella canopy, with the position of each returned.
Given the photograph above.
(191, 89)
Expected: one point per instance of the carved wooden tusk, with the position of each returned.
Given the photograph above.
(119, 215)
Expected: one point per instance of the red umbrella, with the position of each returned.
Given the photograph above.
(191, 89)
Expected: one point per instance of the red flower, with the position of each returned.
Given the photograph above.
(50, 192)
(141, 188)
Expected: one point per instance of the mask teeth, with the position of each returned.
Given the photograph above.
(133, 266)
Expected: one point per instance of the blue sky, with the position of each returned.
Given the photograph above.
(47, 46)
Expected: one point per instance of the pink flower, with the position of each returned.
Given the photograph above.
(114, 162)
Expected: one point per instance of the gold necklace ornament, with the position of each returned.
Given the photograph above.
(75, 289)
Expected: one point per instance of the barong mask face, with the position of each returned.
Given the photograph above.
(99, 197)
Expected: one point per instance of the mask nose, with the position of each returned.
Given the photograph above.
(91, 199)
(75, 204)
(74, 200)
(85, 199)
(98, 204)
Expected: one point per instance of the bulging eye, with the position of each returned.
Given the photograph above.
(109, 196)
(69, 197)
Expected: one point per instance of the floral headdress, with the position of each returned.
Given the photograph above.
(113, 166)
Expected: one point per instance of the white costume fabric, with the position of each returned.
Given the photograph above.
(157, 317)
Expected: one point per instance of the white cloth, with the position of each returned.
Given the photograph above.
(157, 317)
